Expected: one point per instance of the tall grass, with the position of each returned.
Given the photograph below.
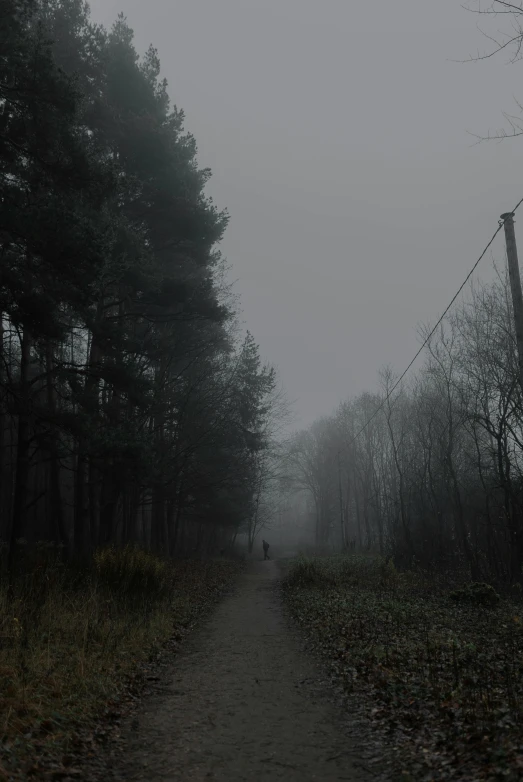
(71, 635)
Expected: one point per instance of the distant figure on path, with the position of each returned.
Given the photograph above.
(265, 550)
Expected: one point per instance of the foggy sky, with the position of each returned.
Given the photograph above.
(336, 131)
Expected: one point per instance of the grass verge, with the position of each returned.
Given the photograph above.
(442, 670)
(72, 641)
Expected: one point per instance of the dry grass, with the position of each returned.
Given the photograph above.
(71, 639)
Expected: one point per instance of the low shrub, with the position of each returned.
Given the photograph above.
(476, 593)
(304, 572)
(132, 572)
(357, 570)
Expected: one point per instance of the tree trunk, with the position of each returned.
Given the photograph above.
(55, 494)
(22, 447)
(82, 541)
(110, 496)
(3, 422)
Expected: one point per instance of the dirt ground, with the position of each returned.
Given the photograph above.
(241, 702)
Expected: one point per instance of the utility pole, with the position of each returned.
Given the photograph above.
(515, 286)
(343, 543)
(517, 304)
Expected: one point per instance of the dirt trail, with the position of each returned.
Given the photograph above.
(241, 703)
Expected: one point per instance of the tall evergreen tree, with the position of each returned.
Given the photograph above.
(129, 409)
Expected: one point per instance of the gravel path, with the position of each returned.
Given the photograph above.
(240, 703)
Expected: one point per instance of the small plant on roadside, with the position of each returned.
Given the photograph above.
(476, 593)
(132, 572)
(304, 572)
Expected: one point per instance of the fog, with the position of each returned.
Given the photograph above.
(338, 134)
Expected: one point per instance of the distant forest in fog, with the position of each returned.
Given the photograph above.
(432, 472)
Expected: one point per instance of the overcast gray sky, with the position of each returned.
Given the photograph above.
(337, 135)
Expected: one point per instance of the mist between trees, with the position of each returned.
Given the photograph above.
(432, 472)
(131, 408)
(436, 477)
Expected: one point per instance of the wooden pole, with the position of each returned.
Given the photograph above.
(515, 286)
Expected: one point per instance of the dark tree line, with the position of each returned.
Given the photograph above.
(128, 410)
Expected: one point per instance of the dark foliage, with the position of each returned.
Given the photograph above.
(128, 412)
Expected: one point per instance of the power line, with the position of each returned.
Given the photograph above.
(428, 338)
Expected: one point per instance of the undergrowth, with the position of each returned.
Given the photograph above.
(442, 669)
(71, 638)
